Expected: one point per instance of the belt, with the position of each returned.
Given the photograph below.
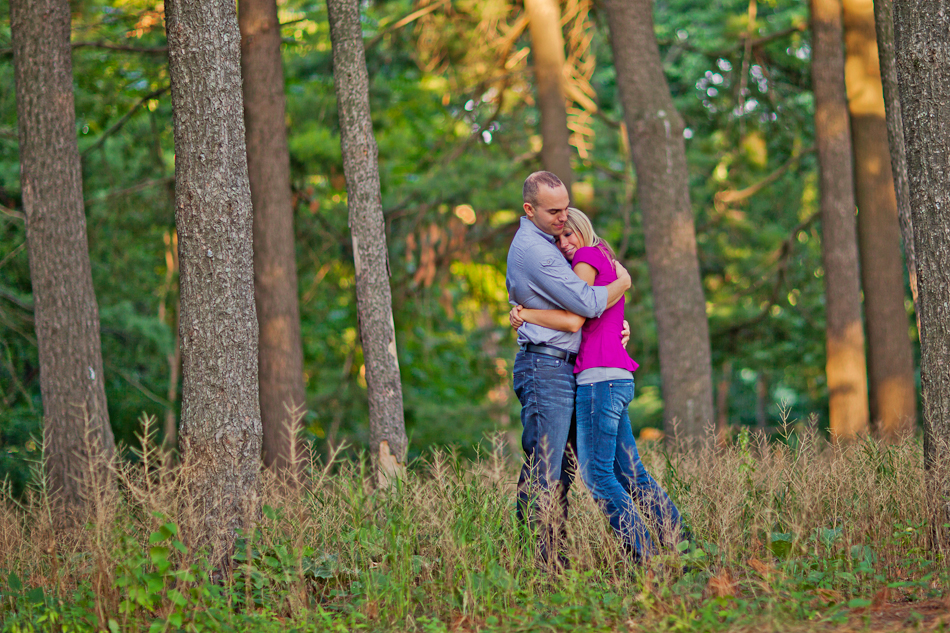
(548, 350)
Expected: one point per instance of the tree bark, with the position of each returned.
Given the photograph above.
(923, 73)
(79, 441)
(547, 50)
(220, 436)
(845, 368)
(388, 442)
(893, 402)
(722, 405)
(884, 26)
(655, 130)
(275, 269)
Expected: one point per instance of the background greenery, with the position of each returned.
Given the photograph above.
(447, 138)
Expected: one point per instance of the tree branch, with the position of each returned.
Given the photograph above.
(148, 50)
(412, 17)
(145, 184)
(12, 298)
(122, 121)
(733, 195)
(12, 213)
(741, 43)
(782, 256)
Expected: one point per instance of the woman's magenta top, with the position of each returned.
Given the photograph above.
(600, 342)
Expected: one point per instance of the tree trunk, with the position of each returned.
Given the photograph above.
(547, 50)
(893, 403)
(275, 268)
(387, 429)
(655, 130)
(79, 441)
(762, 402)
(722, 405)
(884, 25)
(923, 71)
(220, 436)
(846, 370)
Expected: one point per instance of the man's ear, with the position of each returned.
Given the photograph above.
(529, 210)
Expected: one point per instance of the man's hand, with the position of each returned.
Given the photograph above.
(625, 333)
(514, 317)
(622, 273)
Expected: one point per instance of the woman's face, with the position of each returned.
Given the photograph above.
(569, 241)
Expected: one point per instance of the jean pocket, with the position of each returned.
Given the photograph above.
(548, 362)
(621, 391)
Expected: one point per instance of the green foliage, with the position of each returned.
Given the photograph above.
(448, 135)
(440, 549)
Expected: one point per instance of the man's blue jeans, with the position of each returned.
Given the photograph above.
(545, 386)
(611, 468)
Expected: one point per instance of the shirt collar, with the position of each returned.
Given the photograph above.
(528, 225)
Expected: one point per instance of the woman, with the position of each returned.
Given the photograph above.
(607, 452)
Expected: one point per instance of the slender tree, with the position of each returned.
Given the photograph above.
(884, 26)
(923, 74)
(275, 269)
(655, 131)
(893, 402)
(547, 50)
(78, 438)
(845, 368)
(387, 427)
(220, 435)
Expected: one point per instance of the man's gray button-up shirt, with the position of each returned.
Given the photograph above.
(540, 278)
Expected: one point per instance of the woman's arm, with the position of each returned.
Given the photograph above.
(615, 289)
(560, 320)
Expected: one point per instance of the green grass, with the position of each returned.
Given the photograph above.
(790, 536)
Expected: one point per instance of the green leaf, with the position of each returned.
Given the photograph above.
(13, 582)
(158, 554)
(858, 603)
(176, 597)
(35, 596)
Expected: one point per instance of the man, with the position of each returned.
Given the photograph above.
(540, 277)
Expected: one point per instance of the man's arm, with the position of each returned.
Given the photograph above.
(551, 277)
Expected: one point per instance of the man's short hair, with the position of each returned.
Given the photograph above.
(530, 190)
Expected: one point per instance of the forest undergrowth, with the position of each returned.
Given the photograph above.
(792, 534)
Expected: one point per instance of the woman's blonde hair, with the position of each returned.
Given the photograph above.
(578, 222)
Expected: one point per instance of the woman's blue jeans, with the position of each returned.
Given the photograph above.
(611, 469)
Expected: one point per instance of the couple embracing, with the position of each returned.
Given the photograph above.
(574, 378)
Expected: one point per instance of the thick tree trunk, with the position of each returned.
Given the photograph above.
(846, 370)
(923, 72)
(79, 441)
(893, 402)
(387, 429)
(655, 131)
(884, 25)
(275, 267)
(547, 50)
(220, 436)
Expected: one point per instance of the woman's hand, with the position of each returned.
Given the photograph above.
(625, 333)
(514, 317)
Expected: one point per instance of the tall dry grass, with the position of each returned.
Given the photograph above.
(778, 525)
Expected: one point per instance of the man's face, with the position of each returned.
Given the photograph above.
(550, 213)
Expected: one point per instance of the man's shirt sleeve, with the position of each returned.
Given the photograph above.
(552, 278)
